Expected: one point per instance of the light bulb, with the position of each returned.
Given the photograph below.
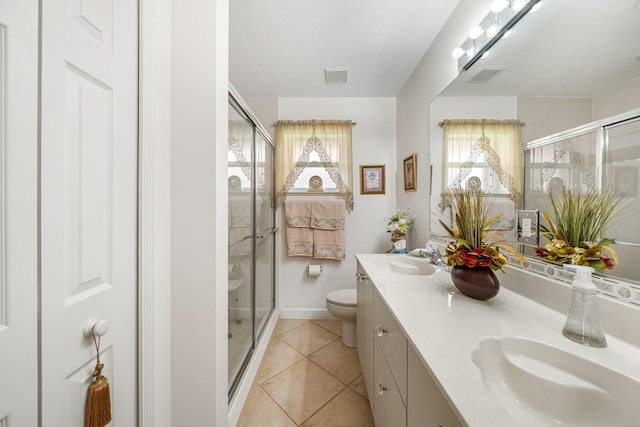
(498, 6)
(491, 31)
(457, 52)
(475, 32)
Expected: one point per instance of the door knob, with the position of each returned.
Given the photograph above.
(96, 327)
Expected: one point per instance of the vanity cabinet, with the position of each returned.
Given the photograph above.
(389, 368)
(401, 390)
(364, 328)
(426, 407)
(393, 343)
(389, 410)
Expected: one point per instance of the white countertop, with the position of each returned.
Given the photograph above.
(444, 326)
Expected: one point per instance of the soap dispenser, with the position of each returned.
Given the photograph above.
(583, 320)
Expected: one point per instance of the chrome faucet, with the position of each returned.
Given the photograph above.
(432, 252)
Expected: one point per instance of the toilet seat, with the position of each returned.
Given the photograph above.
(343, 297)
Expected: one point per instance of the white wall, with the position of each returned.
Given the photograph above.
(617, 101)
(199, 102)
(544, 116)
(434, 72)
(374, 142)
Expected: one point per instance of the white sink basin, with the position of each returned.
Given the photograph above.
(539, 384)
(411, 266)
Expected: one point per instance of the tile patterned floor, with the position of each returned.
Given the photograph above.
(308, 378)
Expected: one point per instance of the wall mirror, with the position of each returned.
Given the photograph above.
(567, 64)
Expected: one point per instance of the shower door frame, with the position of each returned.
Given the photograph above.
(236, 101)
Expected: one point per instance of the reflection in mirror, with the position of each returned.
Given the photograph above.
(568, 64)
(604, 156)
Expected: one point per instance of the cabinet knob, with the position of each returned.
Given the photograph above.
(380, 331)
(380, 389)
(361, 276)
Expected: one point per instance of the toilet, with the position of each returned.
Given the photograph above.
(343, 304)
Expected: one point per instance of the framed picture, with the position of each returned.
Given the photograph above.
(371, 179)
(409, 168)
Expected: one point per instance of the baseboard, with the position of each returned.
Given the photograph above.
(305, 313)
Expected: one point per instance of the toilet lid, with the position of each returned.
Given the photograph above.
(343, 297)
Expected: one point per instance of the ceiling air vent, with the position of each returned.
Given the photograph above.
(485, 75)
(336, 76)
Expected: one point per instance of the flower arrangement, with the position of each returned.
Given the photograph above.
(580, 219)
(470, 247)
(400, 221)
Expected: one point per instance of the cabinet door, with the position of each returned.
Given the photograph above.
(360, 313)
(389, 409)
(426, 406)
(392, 342)
(367, 339)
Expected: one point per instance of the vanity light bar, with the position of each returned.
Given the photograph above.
(494, 33)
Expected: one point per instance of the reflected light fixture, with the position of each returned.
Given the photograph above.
(475, 32)
(504, 14)
(498, 6)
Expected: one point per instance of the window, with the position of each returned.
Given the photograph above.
(314, 167)
(314, 147)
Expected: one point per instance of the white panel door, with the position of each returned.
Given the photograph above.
(88, 204)
(18, 212)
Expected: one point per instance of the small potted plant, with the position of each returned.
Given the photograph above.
(398, 224)
(580, 218)
(472, 255)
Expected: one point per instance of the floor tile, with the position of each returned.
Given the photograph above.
(359, 386)
(308, 338)
(333, 326)
(284, 325)
(261, 411)
(302, 389)
(339, 360)
(347, 409)
(278, 357)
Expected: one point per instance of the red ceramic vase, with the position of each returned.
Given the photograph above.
(479, 282)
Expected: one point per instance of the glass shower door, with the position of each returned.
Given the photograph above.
(240, 248)
(265, 232)
(251, 279)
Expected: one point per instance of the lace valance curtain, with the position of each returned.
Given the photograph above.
(496, 142)
(240, 144)
(331, 139)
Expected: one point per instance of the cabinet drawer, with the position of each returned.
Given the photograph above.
(389, 409)
(392, 342)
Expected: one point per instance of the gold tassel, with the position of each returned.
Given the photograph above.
(98, 407)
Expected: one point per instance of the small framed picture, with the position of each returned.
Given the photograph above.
(371, 179)
(409, 168)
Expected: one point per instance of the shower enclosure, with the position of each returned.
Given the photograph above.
(251, 254)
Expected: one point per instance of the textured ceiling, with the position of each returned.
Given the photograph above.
(279, 48)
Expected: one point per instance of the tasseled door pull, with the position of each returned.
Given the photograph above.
(98, 407)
